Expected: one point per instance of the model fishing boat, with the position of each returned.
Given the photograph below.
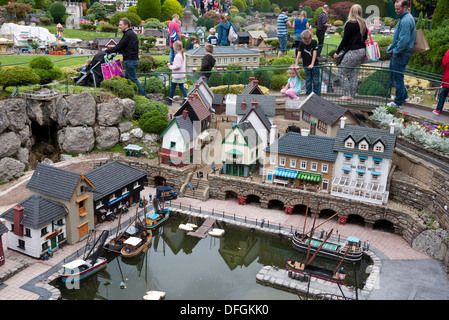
(337, 275)
(331, 248)
(116, 244)
(135, 245)
(215, 231)
(90, 264)
(155, 218)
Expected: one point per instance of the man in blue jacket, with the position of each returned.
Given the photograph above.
(400, 50)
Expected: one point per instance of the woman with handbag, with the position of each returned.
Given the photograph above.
(353, 45)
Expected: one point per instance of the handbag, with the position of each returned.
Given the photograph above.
(372, 49)
(340, 57)
(112, 69)
(421, 44)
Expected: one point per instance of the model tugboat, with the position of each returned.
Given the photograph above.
(331, 248)
(90, 264)
(156, 217)
(138, 243)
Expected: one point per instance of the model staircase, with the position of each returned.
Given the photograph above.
(199, 188)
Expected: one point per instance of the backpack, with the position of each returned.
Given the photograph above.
(174, 35)
(232, 35)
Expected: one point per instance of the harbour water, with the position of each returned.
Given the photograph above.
(190, 268)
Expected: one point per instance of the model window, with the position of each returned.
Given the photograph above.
(232, 60)
(363, 146)
(314, 166)
(379, 148)
(27, 232)
(124, 191)
(324, 167)
(194, 61)
(273, 160)
(348, 159)
(172, 145)
(44, 231)
(305, 116)
(349, 144)
(136, 185)
(303, 164)
(82, 208)
(322, 126)
(377, 163)
(282, 161)
(292, 163)
(362, 161)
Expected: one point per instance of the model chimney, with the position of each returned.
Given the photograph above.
(256, 82)
(273, 134)
(251, 79)
(392, 125)
(305, 132)
(243, 105)
(342, 122)
(184, 113)
(254, 103)
(18, 216)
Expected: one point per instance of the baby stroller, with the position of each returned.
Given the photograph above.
(92, 75)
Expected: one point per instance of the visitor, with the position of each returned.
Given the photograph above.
(283, 23)
(353, 45)
(293, 87)
(308, 52)
(178, 66)
(194, 42)
(321, 27)
(203, 6)
(444, 85)
(225, 9)
(84, 67)
(216, 6)
(212, 39)
(299, 25)
(401, 50)
(207, 62)
(223, 31)
(128, 46)
(174, 29)
(197, 5)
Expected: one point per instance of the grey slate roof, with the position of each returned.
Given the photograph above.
(186, 126)
(38, 211)
(265, 102)
(259, 112)
(323, 109)
(250, 134)
(53, 181)
(251, 87)
(372, 136)
(311, 146)
(113, 176)
(3, 229)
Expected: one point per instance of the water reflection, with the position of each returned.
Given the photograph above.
(187, 267)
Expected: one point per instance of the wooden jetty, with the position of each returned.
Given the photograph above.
(201, 232)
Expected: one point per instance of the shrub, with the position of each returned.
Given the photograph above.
(88, 26)
(153, 122)
(230, 78)
(169, 8)
(264, 77)
(107, 28)
(154, 85)
(377, 84)
(41, 63)
(48, 75)
(278, 81)
(244, 77)
(123, 88)
(240, 4)
(340, 10)
(149, 9)
(282, 62)
(45, 21)
(17, 76)
(146, 64)
(265, 6)
(144, 105)
(215, 79)
(314, 4)
(57, 11)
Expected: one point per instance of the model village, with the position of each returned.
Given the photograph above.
(326, 160)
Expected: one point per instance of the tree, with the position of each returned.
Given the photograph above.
(57, 11)
(149, 9)
(133, 17)
(17, 76)
(441, 12)
(240, 4)
(265, 6)
(99, 10)
(18, 9)
(169, 8)
(153, 122)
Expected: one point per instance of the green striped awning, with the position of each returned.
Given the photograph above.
(234, 151)
(309, 176)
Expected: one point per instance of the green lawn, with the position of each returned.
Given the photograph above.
(82, 34)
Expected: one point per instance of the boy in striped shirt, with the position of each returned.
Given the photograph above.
(283, 23)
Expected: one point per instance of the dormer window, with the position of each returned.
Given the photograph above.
(349, 143)
(363, 145)
(378, 147)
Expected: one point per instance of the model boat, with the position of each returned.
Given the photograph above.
(88, 265)
(135, 245)
(156, 217)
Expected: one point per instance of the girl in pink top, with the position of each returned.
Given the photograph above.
(178, 66)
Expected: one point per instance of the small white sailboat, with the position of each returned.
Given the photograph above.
(215, 231)
(154, 295)
(189, 226)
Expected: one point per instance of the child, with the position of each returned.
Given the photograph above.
(208, 61)
(293, 87)
(445, 85)
(308, 49)
(178, 66)
(212, 39)
(84, 68)
(193, 42)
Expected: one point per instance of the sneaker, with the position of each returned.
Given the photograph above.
(167, 101)
(436, 112)
(392, 104)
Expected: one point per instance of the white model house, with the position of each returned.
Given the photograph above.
(36, 225)
(363, 163)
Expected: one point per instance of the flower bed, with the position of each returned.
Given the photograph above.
(430, 135)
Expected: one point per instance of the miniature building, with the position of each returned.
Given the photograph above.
(256, 37)
(3, 230)
(178, 140)
(204, 93)
(218, 103)
(252, 87)
(244, 101)
(105, 43)
(224, 55)
(363, 163)
(241, 150)
(320, 116)
(116, 184)
(300, 160)
(243, 38)
(73, 190)
(190, 30)
(36, 225)
(160, 35)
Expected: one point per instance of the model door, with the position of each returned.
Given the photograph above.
(312, 128)
(53, 243)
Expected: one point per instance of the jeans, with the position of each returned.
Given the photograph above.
(173, 88)
(398, 65)
(171, 55)
(320, 36)
(282, 43)
(313, 80)
(442, 98)
(131, 74)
